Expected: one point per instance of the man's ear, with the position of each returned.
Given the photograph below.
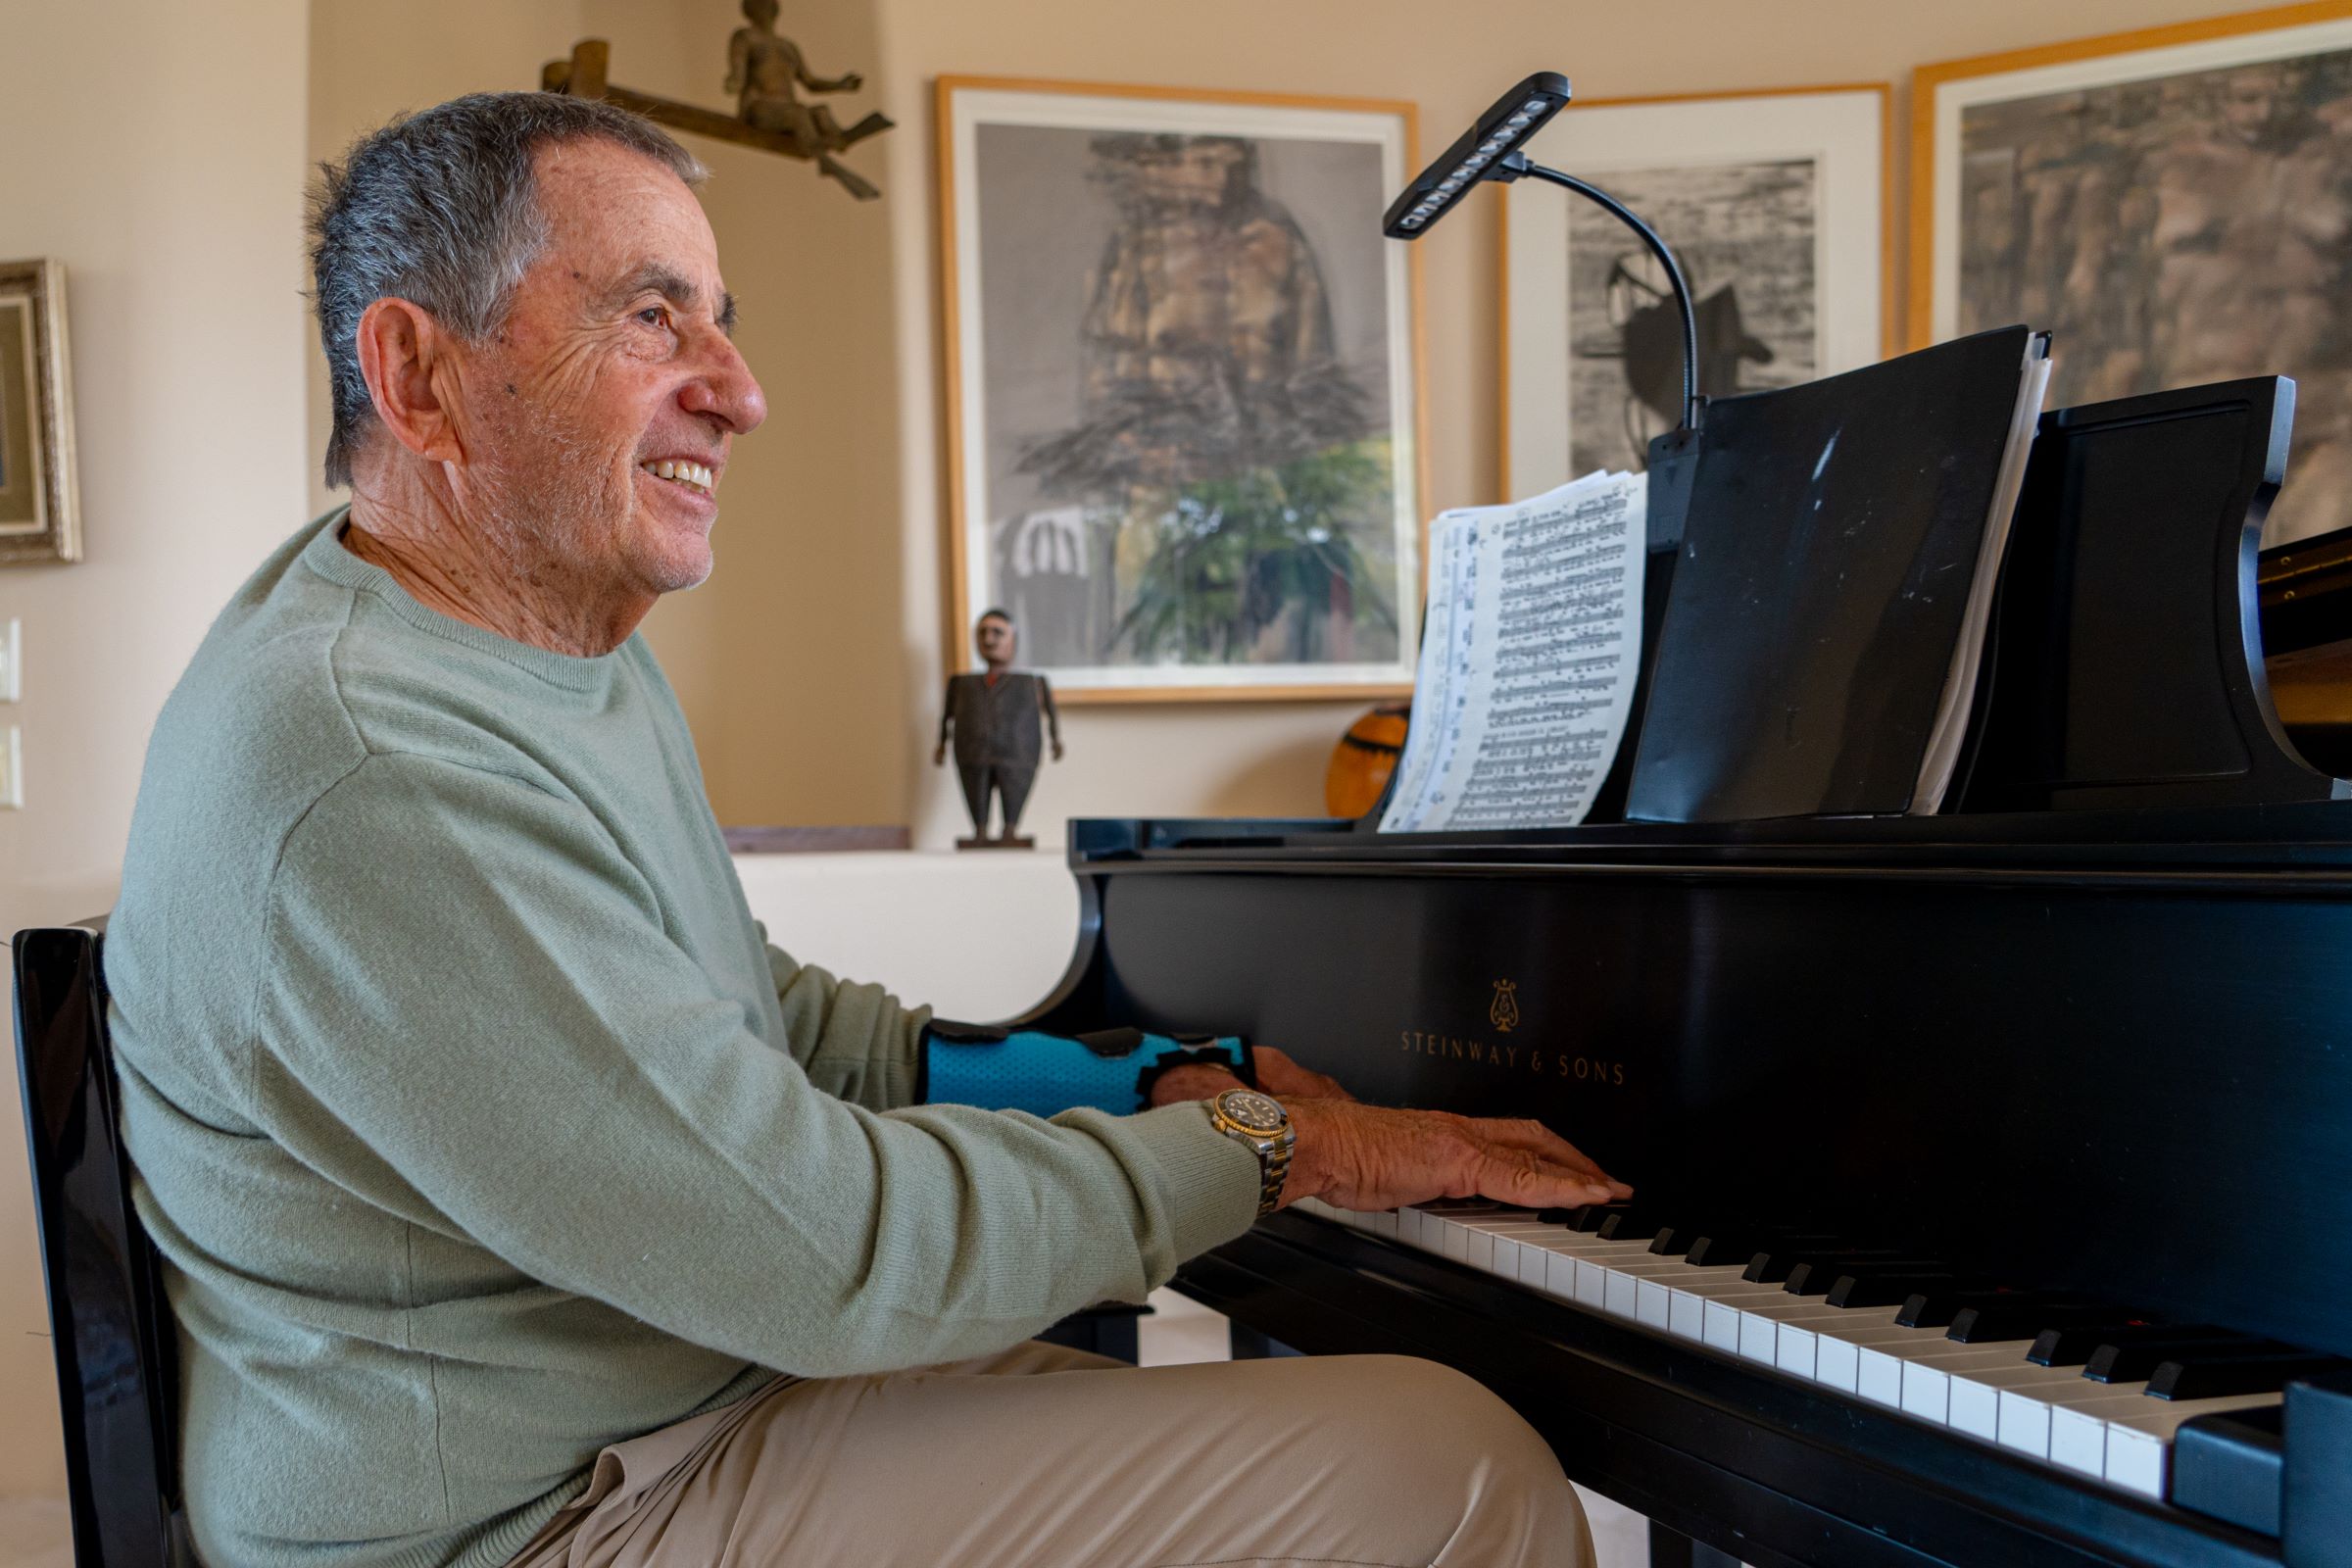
(408, 360)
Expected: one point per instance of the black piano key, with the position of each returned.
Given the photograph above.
(2232, 1467)
(2137, 1362)
(2213, 1376)
(1719, 1247)
(1771, 1265)
(2128, 1346)
(1872, 1288)
(1627, 1224)
(1560, 1216)
(1673, 1241)
(1941, 1309)
(1995, 1322)
(1815, 1277)
(2073, 1343)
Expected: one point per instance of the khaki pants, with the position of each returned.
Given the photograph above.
(1044, 1457)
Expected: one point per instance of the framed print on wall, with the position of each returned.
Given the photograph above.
(2174, 204)
(1184, 388)
(39, 504)
(1776, 204)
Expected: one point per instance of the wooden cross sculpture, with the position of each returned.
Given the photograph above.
(763, 69)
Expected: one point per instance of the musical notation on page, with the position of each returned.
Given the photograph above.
(1528, 660)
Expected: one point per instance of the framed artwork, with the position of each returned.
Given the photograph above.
(1184, 388)
(39, 507)
(1776, 205)
(2174, 204)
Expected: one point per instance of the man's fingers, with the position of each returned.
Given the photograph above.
(1525, 1178)
(1536, 1137)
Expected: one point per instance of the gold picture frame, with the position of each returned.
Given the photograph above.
(2135, 193)
(1374, 143)
(1843, 132)
(40, 507)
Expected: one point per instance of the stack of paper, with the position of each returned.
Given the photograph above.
(1528, 660)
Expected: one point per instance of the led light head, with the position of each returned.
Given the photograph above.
(1475, 156)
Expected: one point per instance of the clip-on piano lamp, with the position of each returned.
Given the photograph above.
(1495, 149)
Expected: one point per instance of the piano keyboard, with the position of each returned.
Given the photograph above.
(1740, 1306)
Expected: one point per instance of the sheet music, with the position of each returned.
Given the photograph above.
(1528, 659)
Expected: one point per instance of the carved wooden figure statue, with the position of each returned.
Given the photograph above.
(993, 717)
(763, 71)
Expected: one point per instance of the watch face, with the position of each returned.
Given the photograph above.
(1258, 1112)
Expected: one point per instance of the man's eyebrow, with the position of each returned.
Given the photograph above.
(654, 279)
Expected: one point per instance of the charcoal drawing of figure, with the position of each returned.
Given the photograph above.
(2178, 231)
(1744, 234)
(1221, 493)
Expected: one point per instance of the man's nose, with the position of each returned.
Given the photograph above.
(726, 389)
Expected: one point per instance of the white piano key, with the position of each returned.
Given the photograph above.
(1930, 1378)
(1478, 1249)
(2028, 1418)
(2139, 1443)
(1630, 1279)
(2078, 1432)
(1838, 1353)
(1764, 1308)
(1976, 1395)
(1649, 1304)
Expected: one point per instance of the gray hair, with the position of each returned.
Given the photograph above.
(441, 209)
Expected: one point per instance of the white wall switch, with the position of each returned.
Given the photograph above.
(12, 768)
(12, 662)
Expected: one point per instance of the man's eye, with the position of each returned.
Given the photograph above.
(654, 315)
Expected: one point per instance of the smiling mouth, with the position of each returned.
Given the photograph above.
(693, 476)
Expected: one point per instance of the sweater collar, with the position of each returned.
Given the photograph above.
(332, 559)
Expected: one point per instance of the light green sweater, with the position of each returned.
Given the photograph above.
(480, 1126)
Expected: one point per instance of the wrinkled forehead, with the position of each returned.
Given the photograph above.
(611, 210)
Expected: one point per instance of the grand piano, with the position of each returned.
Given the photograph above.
(1993, 1168)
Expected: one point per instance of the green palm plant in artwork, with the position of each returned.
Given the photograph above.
(1263, 564)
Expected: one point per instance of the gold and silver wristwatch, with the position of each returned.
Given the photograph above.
(1258, 1120)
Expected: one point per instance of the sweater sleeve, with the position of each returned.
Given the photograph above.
(469, 1006)
(853, 1039)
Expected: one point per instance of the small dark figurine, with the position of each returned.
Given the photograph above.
(992, 716)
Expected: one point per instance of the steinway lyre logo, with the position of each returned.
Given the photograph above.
(1504, 1011)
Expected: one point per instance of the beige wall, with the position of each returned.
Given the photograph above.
(1269, 759)
(176, 215)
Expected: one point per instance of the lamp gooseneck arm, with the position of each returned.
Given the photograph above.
(1514, 165)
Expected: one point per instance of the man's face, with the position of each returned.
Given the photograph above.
(614, 361)
(993, 637)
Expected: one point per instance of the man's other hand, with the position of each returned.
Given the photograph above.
(1277, 1074)
(1369, 1156)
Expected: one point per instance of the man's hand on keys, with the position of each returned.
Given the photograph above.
(1354, 1155)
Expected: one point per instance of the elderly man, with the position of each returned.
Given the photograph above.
(521, 1204)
